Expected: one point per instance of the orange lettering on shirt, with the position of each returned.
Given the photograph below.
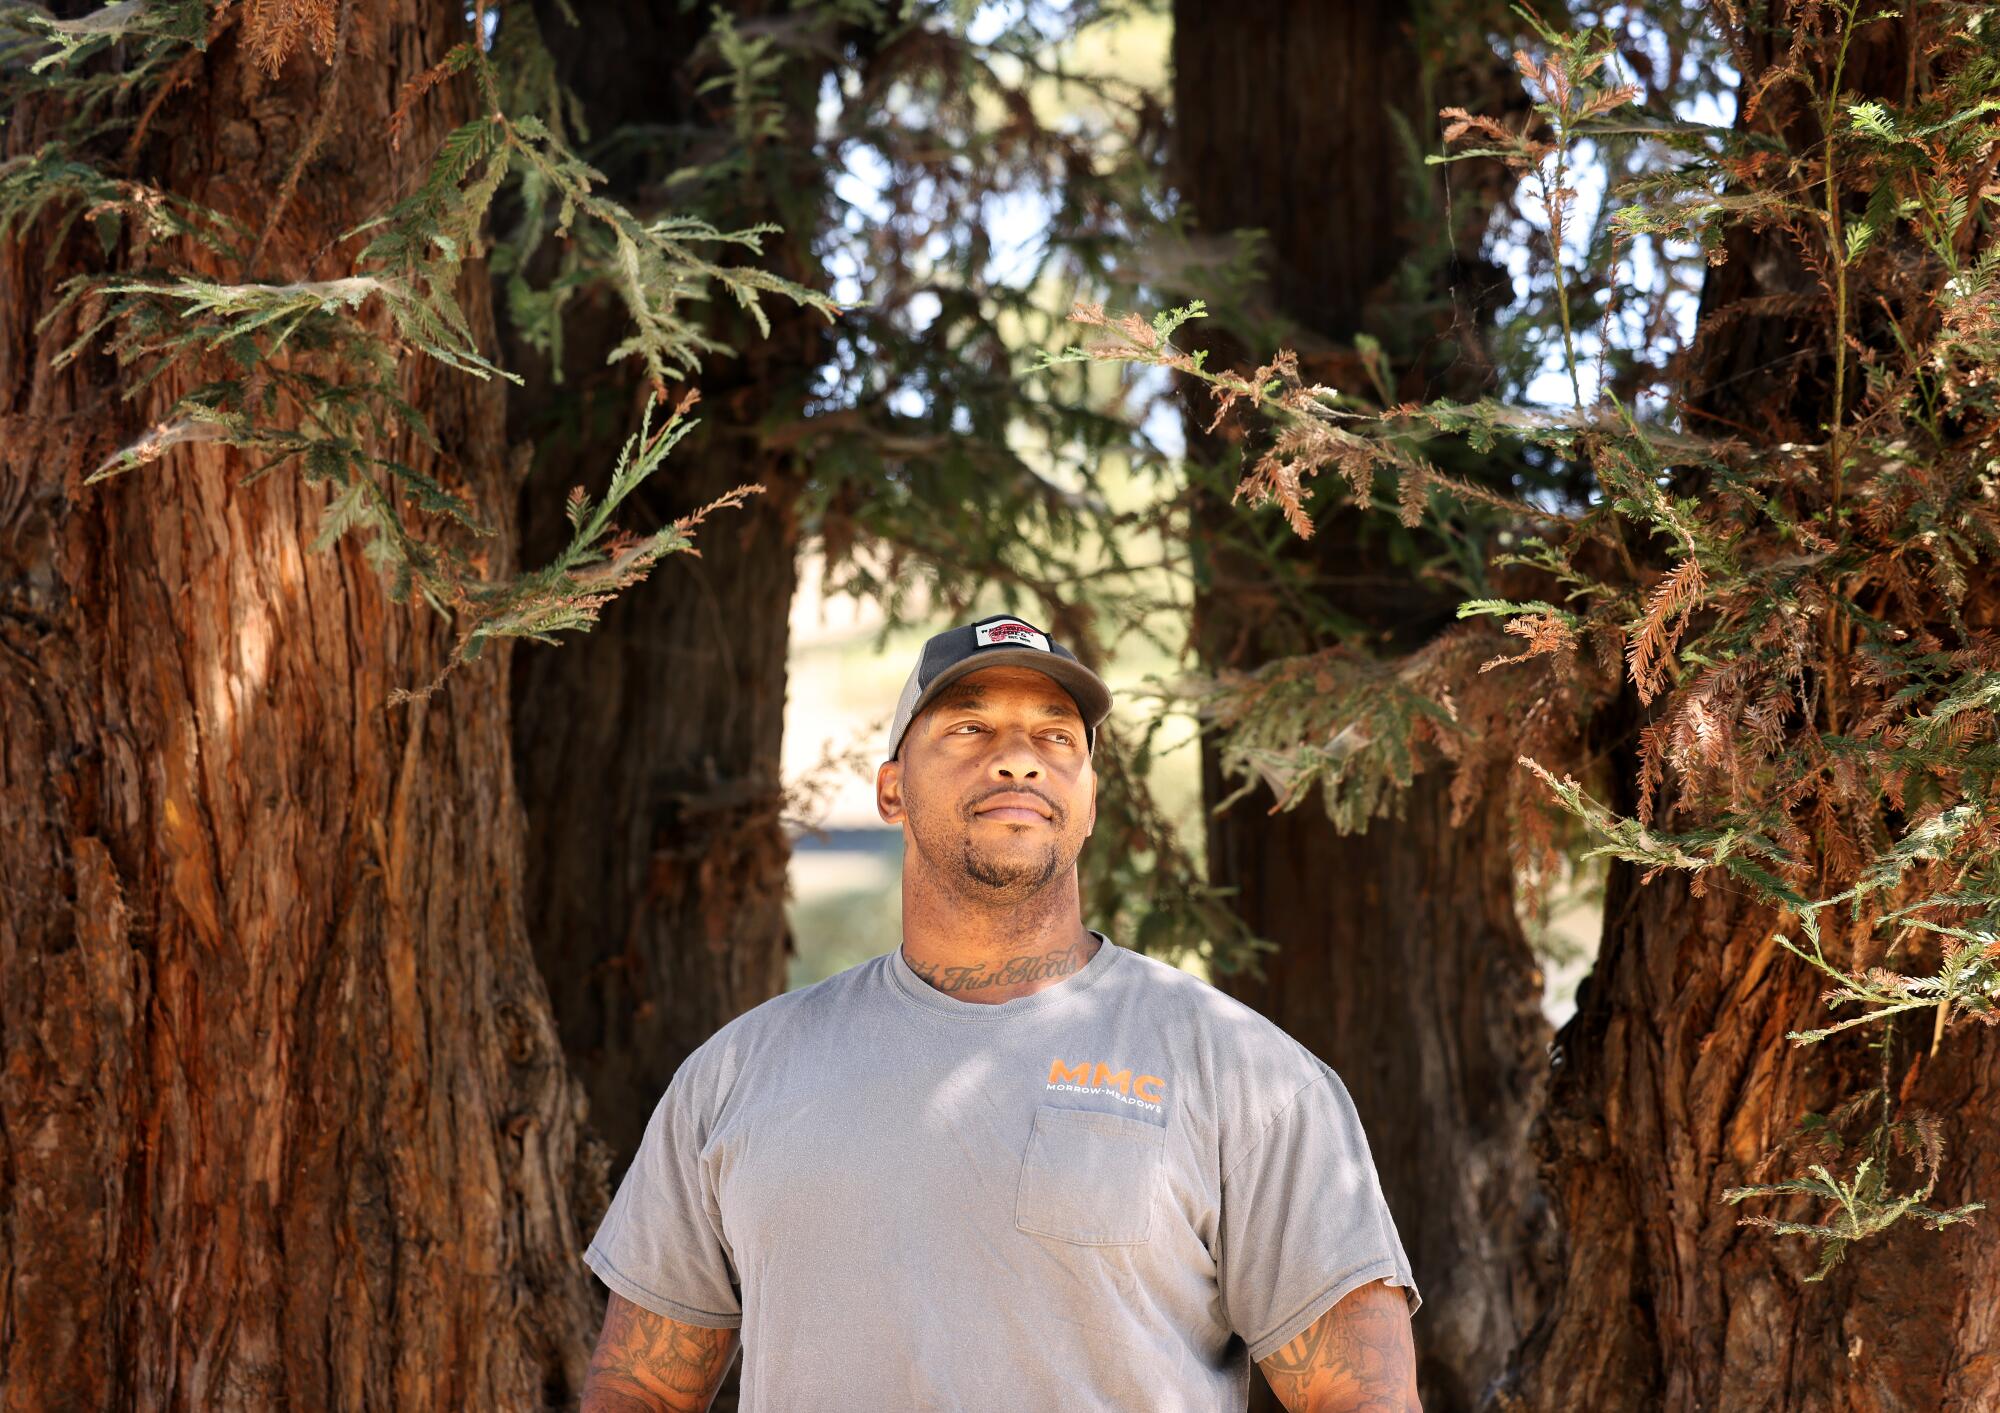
(1122, 1081)
(1159, 1088)
(1059, 1073)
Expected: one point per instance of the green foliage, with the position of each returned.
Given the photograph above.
(51, 180)
(654, 266)
(147, 36)
(1350, 726)
(1566, 99)
(1861, 1207)
(1864, 1202)
(72, 41)
(1143, 885)
(751, 65)
(566, 594)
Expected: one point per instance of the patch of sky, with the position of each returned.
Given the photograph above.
(1016, 224)
(1049, 18)
(1012, 224)
(1161, 425)
(488, 22)
(1656, 276)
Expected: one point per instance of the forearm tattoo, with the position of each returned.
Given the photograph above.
(646, 1363)
(1358, 1355)
(1010, 972)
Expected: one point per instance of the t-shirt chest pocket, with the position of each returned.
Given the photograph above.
(1090, 1178)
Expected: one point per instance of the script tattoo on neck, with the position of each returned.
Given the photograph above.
(1013, 971)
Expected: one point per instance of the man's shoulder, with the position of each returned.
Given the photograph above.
(781, 1020)
(1222, 1026)
(1245, 1071)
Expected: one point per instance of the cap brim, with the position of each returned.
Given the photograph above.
(1093, 698)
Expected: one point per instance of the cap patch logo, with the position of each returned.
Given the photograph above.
(1008, 632)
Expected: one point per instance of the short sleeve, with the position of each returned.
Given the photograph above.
(661, 1243)
(1304, 1221)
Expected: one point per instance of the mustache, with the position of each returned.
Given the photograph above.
(1056, 812)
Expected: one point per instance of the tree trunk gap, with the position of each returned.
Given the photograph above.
(1401, 961)
(649, 749)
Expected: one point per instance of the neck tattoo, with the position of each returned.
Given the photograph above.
(1011, 971)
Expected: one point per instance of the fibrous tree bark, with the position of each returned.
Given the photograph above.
(284, 1121)
(1672, 1081)
(1400, 960)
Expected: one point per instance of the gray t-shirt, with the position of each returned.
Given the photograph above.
(1115, 1193)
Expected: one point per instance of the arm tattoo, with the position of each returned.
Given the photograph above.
(647, 1363)
(1010, 972)
(1359, 1355)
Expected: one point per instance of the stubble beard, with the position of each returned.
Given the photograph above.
(1015, 880)
(986, 876)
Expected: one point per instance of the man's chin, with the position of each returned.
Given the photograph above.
(1026, 869)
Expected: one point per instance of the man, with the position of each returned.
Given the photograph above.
(1010, 1165)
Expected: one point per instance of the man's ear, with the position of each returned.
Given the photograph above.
(889, 792)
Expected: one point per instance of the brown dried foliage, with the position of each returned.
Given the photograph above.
(272, 29)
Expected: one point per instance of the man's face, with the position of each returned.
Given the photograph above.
(993, 784)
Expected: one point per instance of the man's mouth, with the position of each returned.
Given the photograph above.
(1015, 808)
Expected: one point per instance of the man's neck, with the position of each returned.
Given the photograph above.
(994, 954)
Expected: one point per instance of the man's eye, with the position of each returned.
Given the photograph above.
(973, 725)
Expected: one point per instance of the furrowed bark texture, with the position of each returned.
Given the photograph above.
(1674, 1076)
(1672, 1080)
(649, 749)
(1401, 961)
(284, 1121)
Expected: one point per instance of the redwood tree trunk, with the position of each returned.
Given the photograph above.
(1401, 961)
(1674, 1076)
(649, 749)
(1673, 1079)
(284, 1121)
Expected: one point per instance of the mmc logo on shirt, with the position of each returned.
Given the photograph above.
(1146, 1091)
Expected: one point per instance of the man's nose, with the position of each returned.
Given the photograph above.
(1015, 759)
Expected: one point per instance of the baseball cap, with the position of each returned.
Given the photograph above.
(999, 639)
